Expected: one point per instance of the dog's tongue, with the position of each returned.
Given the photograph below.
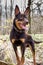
(24, 27)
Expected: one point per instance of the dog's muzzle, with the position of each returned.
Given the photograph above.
(26, 21)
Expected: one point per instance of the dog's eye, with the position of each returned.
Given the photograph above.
(20, 19)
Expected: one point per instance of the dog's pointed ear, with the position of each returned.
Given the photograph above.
(27, 11)
(16, 10)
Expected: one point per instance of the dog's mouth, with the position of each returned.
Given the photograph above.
(22, 25)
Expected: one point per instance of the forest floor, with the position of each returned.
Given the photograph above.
(8, 56)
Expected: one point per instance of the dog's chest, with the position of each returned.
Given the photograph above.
(19, 35)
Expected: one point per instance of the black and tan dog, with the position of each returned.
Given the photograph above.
(18, 36)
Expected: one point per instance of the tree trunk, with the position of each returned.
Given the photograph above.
(29, 17)
(0, 11)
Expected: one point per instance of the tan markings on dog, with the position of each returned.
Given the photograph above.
(13, 40)
(22, 61)
(22, 39)
(18, 24)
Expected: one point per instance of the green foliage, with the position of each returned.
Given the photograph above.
(8, 60)
(12, 64)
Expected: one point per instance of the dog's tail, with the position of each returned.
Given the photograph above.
(37, 42)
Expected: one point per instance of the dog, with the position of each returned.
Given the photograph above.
(18, 37)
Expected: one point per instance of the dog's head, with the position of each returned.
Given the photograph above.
(21, 20)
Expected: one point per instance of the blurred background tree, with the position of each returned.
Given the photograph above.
(35, 17)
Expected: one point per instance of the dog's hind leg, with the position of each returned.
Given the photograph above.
(22, 52)
(17, 57)
(31, 45)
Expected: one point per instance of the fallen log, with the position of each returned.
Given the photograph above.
(5, 63)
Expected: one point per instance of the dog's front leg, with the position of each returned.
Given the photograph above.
(16, 53)
(22, 52)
